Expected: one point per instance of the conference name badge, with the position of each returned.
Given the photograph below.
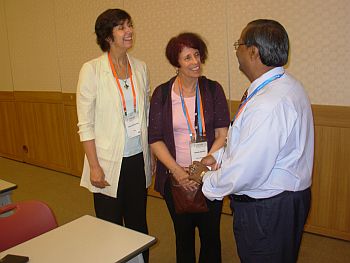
(198, 150)
(132, 125)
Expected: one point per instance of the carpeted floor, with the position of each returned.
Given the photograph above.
(69, 201)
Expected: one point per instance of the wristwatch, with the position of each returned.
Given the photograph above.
(202, 174)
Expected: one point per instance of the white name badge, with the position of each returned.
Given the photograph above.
(198, 150)
(132, 125)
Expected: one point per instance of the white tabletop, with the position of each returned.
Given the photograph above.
(86, 239)
(6, 186)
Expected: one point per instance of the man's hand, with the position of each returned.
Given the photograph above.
(197, 171)
(209, 160)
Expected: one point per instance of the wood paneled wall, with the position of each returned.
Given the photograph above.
(75, 148)
(10, 134)
(40, 128)
(330, 213)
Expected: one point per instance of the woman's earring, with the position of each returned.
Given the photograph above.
(177, 71)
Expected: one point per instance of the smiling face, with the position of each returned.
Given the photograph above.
(190, 63)
(123, 36)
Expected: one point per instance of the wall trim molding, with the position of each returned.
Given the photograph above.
(7, 96)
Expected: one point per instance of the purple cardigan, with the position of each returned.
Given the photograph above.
(160, 127)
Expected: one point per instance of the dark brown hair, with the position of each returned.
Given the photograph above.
(105, 23)
(187, 39)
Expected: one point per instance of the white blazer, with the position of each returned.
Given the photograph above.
(100, 117)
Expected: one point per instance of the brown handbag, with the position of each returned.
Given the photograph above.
(188, 201)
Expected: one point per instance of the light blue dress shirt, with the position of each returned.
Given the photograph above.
(270, 146)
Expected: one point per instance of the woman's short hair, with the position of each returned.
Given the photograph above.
(271, 39)
(187, 39)
(105, 23)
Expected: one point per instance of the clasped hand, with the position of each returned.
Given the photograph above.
(197, 168)
(182, 178)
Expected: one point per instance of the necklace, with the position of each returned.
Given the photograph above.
(126, 86)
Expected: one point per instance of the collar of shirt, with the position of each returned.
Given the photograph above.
(263, 77)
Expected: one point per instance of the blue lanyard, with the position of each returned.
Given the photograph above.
(198, 111)
(260, 87)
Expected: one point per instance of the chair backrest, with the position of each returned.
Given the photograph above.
(22, 221)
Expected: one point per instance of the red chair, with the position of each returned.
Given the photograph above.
(22, 221)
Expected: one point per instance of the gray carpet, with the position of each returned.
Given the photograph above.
(69, 201)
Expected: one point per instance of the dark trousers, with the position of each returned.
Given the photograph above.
(129, 208)
(208, 224)
(270, 230)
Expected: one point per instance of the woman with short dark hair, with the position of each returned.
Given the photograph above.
(112, 104)
(188, 112)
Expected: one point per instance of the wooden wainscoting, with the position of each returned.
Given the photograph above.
(41, 118)
(330, 213)
(10, 133)
(75, 148)
(40, 128)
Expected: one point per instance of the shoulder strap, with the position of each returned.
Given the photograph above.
(165, 92)
(211, 87)
(166, 89)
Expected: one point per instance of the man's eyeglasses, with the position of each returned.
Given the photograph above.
(237, 44)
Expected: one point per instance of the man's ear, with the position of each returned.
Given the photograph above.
(254, 52)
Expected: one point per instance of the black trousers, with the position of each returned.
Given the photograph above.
(270, 230)
(209, 231)
(129, 208)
